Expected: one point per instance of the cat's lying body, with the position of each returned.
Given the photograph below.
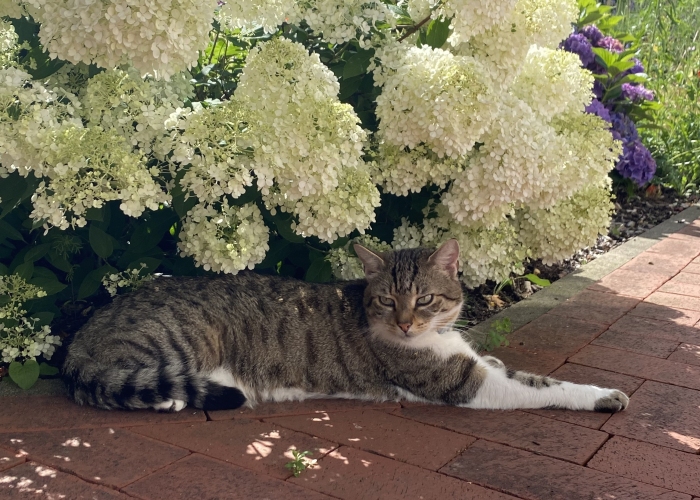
(221, 342)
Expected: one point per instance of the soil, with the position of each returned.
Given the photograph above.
(633, 216)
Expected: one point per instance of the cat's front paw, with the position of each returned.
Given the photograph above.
(613, 402)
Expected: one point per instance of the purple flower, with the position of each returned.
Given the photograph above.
(597, 108)
(592, 33)
(636, 93)
(579, 44)
(637, 68)
(611, 44)
(598, 89)
(623, 128)
(636, 163)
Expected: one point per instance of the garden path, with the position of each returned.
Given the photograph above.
(637, 329)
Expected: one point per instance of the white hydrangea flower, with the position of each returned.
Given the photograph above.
(519, 155)
(553, 82)
(29, 113)
(555, 234)
(402, 172)
(8, 44)
(307, 145)
(131, 279)
(420, 9)
(344, 262)
(432, 97)
(226, 240)
(215, 144)
(158, 37)
(12, 8)
(340, 22)
(548, 22)
(89, 167)
(473, 17)
(123, 102)
(251, 14)
(407, 235)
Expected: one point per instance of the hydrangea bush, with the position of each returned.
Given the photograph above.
(189, 137)
(621, 99)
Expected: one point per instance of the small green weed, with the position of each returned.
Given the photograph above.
(496, 336)
(299, 463)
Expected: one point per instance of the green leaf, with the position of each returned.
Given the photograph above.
(278, 250)
(37, 252)
(96, 214)
(93, 280)
(44, 317)
(438, 32)
(604, 57)
(357, 64)
(24, 374)
(47, 370)
(58, 261)
(320, 271)
(7, 231)
(100, 242)
(537, 280)
(283, 223)
(49, 284)
(25, 270)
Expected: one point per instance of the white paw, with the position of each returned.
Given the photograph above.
(612, 402)
(170, 405)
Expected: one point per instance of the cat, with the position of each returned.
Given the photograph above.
(221, 342)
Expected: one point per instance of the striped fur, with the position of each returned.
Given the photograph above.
(220, 342)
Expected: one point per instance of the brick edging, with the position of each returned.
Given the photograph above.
(545, 300)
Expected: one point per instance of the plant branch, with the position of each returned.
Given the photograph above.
(415, 28)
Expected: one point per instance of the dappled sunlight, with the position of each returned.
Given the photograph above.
(262, 447)
(690, 441)
(38, 488)
(321, 419)
(76, 442)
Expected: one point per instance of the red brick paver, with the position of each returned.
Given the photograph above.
(649, 463)
(637, 330)
(263, 447)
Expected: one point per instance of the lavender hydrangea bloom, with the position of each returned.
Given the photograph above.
(579, 44)
(597, 108)
(592, 33)
(623, 128)
(611, 44)
(636, 93)
(598, 90)
(636, 163)
(637, 68)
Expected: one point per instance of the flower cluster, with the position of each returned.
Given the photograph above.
(635, 162)
(131, 279)
(227, 240)
(432, 97)
(402, 172)
(214, 143)
(344, 262)
(307, 145)
(575, 222)
(472, 17)
(249, 14)
(135, 108)
(8, 45)
(340, 22)
(29, 114)
(21, 336)
(88, 168)
(160, 37)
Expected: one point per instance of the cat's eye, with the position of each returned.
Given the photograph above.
(424, 300)
(386, 301)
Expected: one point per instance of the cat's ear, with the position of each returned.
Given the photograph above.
(446, 257)
(372, 262)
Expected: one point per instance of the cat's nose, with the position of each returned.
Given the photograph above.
(405, 326)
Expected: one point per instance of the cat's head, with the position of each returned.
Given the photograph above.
(411, 292)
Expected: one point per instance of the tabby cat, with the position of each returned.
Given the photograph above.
(219, 342)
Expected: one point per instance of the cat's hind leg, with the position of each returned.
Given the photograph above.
(504, 389)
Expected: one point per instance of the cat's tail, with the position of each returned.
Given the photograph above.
(166, 388)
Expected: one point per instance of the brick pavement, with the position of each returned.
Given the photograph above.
(637, 329)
